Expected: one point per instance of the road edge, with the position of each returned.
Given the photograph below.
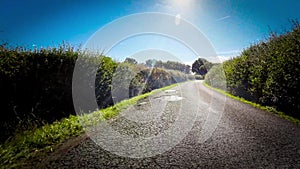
(264, 108)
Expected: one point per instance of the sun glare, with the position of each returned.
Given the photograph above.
(181, 6)
(181, 3)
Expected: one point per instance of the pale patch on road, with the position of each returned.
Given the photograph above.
(173, 98)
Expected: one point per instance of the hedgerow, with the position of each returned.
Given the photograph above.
(267, 73)
(36, 85)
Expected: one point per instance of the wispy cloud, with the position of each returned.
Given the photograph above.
(230, 53)
(223, 18)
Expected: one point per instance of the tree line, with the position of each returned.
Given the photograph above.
(171, 65)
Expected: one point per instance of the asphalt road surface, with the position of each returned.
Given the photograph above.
(189, 126)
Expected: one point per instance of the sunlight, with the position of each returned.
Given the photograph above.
(184, 4)
(182, 7)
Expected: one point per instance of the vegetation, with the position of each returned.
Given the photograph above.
(265, 108)
(131, 61)
(32, 81)
(216, 77)
(37, 103)
(170, 65)
(17, 151)
(201, 66)
(131, 79)
(36, 85)
(266, 73)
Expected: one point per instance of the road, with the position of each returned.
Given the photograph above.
(214, 132)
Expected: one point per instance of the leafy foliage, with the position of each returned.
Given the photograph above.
(36, 85)
(216, 77)
(201, 66)
(103, 82)
(19, 151)
(171, 65)
(267, 73)
(131, 61)
(133, 79)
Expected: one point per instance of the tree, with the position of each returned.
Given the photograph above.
(131, 61)
(201, 66)
(187, 69)
(170, 65)
(150, 62)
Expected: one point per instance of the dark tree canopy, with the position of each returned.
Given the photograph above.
(201, 66)
(131, 60)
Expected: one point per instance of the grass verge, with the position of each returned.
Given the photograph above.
(265, 108)
(16, 152)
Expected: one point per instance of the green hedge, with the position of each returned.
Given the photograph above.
(36, 85)
(267, 73)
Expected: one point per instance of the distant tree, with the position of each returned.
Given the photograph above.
(159, 63)
(131, 60)
(150, 62)
(201, 66)
(171, 65)
(187, 69)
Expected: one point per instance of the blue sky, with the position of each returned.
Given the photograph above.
(230, 25)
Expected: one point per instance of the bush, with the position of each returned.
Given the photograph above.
(216, 77)
(266, 73)
(36, 86)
